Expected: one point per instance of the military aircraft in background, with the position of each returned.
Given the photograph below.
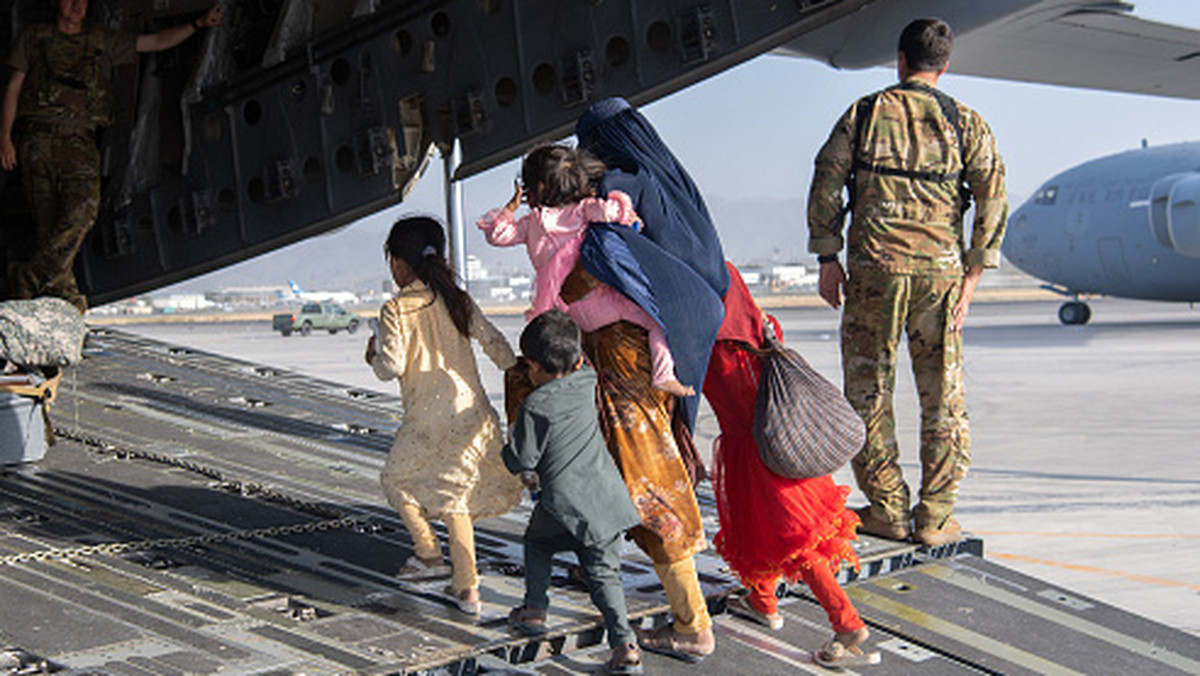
(1126, 225)
(296, 293)
(295, 117)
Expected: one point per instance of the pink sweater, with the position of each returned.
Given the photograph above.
(552, 236)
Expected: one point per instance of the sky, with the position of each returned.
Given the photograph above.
(751, 133)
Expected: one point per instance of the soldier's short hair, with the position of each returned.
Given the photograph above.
(926, 44)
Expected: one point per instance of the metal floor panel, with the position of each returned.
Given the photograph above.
(203, 514)
(1002, 622)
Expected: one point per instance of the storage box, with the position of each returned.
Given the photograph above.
(22, 429)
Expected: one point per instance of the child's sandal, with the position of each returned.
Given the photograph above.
(528, 621)
(630, 663)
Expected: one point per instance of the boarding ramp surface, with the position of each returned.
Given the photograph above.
(201, 514)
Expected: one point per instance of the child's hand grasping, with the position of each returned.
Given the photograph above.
(515, 202)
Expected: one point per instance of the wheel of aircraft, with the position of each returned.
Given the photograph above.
(1074, 313)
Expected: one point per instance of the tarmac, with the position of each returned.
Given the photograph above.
(1085, 473)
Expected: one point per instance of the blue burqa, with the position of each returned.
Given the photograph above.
(674, 268)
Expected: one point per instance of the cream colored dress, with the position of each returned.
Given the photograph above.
(446, 456)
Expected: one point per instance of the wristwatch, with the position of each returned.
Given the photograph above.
(827, 258)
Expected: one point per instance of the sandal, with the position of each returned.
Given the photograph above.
(835, 655)
(414, 568)
(742, 607)
(631, 664)
(663, 642)
(461, 602)
(528, 621)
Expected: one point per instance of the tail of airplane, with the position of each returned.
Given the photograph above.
(296, 290)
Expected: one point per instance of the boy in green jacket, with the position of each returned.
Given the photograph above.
(584, 506)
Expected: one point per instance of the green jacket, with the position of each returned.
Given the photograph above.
(900, 225)
(558, 435)
(69, 77)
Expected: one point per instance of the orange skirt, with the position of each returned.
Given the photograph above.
(636, 420)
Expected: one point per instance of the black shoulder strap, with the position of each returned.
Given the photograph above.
(949, 106)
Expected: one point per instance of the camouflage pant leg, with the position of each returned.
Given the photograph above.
(937, 362)
(62, 183)
(871, 328)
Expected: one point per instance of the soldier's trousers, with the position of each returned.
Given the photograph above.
(61, 173)
(880, 308)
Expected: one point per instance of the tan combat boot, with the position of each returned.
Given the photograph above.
(890, 530)
(936, 536)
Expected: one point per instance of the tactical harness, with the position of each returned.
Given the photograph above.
(865, 109)
(82, 91)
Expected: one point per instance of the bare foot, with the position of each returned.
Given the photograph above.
(676, 388)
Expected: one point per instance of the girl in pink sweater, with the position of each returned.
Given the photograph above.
(561, 201)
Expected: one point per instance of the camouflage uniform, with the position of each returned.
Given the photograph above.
(64, 100)
(905, 264)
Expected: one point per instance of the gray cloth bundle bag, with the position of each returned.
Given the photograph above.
(803, 425)
(41, 332)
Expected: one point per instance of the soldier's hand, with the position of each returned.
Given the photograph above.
(8, 154)
(830, 283)
(958, 316)
(214, 16)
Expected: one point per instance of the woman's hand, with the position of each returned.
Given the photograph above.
(515, 202)
(370, 353)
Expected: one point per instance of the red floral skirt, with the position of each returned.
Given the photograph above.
(771, 526)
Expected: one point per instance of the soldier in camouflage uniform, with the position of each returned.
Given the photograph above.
(60, 92)
(911, 158)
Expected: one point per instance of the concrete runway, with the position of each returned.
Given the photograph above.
(1085, 439)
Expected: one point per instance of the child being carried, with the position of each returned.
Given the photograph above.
(561, 194)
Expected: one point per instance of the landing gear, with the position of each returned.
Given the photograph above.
(1074, 313)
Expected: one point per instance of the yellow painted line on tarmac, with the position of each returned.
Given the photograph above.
(1101, 536)
(862, 597)
(1113, 637)
(1133, 577)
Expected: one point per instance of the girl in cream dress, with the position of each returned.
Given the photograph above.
(445, 462)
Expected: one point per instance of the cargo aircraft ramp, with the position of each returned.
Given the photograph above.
(201, 514)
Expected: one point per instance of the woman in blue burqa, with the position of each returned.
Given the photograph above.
(675, 269)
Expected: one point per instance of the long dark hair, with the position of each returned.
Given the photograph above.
(565, 175)
(420, 241)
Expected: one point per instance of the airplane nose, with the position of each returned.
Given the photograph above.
(1020, 239)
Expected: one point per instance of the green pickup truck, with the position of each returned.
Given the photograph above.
(328, 316)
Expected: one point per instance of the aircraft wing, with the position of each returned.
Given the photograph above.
(1097, 45)
(1087, 48)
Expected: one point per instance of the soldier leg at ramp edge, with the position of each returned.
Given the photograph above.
(878, 308)
(60, 169)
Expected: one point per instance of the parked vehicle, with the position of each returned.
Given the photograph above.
(328, 316)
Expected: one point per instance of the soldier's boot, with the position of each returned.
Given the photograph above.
(936, 532)
(872, 525)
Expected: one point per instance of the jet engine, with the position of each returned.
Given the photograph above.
(1175, 213)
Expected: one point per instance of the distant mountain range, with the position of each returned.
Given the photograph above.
(752, 231)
